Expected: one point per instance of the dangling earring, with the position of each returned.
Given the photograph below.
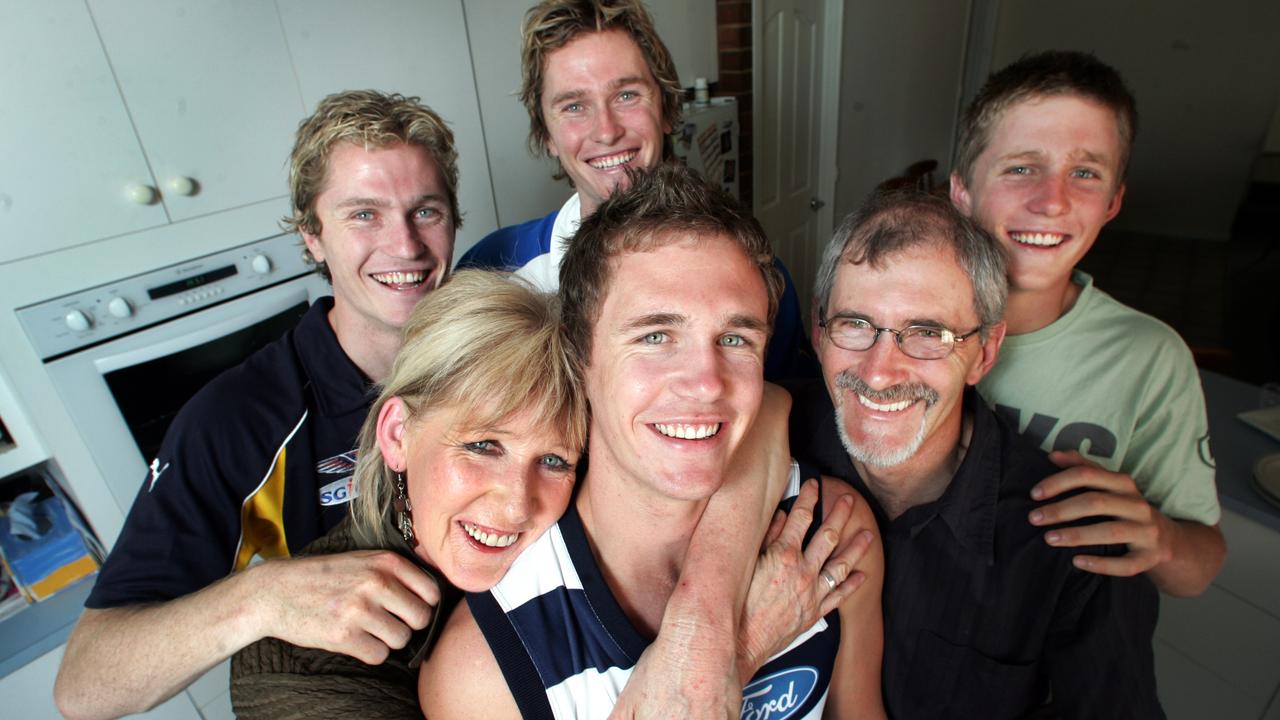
(404, 511)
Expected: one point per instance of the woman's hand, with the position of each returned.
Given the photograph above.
(794, 586)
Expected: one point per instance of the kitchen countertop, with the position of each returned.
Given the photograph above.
(1237, 446)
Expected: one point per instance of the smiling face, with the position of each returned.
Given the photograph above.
(891, 407)
(603, 111)
(386, 235)
(1047, 182)
(478, 497)
(676, 368)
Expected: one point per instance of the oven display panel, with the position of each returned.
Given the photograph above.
(194, 281)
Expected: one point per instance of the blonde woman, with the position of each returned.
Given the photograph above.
(467, 456)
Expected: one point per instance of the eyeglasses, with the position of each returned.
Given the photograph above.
(922, 342)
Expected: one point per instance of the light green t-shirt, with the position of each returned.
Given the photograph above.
(1119, 386)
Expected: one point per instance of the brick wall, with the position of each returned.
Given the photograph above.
(733, 41)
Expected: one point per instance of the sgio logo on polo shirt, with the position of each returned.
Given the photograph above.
(338, 492)
(343, 489)
(778, 696)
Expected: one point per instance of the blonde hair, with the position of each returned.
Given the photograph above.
(369, 119)
(552, 24)
(484, 343)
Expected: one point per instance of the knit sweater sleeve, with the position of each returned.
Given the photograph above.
(275, 680)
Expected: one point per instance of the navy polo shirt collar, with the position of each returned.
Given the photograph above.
(968, 506)
(339, 386)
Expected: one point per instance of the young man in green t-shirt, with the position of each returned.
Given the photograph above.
(1113, 393)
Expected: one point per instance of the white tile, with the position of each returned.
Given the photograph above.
(212, 684)
(1252, 567)
(1189, 691)
(178, 707)
(27, 693)
(1231, 638)
(219, 708)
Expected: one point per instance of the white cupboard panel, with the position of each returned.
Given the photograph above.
(210, 89)
(69, 152)
(407, 46)
(522, 185)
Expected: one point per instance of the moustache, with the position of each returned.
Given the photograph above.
(910, 392)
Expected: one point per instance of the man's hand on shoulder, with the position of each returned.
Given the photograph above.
(787, 595)
(363, 603)
(1181, 556)
(1134, 522)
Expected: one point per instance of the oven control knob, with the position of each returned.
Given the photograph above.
(78, 321)
(119, 307)
(261, 264)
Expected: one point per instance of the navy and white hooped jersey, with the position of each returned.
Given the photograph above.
(566, 648)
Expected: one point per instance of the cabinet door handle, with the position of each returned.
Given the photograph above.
(142, 194)
(183, 185)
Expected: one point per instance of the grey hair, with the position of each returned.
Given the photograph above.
(891, 222)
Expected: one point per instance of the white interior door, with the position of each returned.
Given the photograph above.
(794, 151)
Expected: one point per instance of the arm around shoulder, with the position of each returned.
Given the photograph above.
(129, 659)
(1197, 553)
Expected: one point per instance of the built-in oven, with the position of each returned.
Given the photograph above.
(125, 356)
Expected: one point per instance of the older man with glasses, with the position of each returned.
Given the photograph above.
(982, 618)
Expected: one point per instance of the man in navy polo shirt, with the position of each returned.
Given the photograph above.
(255, 465)
(602, 93)
(982, 618)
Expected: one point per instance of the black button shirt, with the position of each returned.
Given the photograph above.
(983, 619)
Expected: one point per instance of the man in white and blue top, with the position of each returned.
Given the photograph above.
(668, 291)
(602, 94)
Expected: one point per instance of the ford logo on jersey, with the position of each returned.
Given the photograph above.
(338, 491)
(778, 696)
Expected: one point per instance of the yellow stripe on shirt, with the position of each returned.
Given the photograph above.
(262, 519)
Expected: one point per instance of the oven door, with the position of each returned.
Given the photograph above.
(123, 394)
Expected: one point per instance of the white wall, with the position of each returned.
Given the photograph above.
(1206, 77)
(403, 50)
(522, 184)
(688, 29)
(899, 87)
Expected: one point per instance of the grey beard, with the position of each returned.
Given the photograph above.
(875, 452)
(897, 393)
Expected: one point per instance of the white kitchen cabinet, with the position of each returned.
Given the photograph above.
(211, 90)
(118, 117)
(405, 46)
(68, 153)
